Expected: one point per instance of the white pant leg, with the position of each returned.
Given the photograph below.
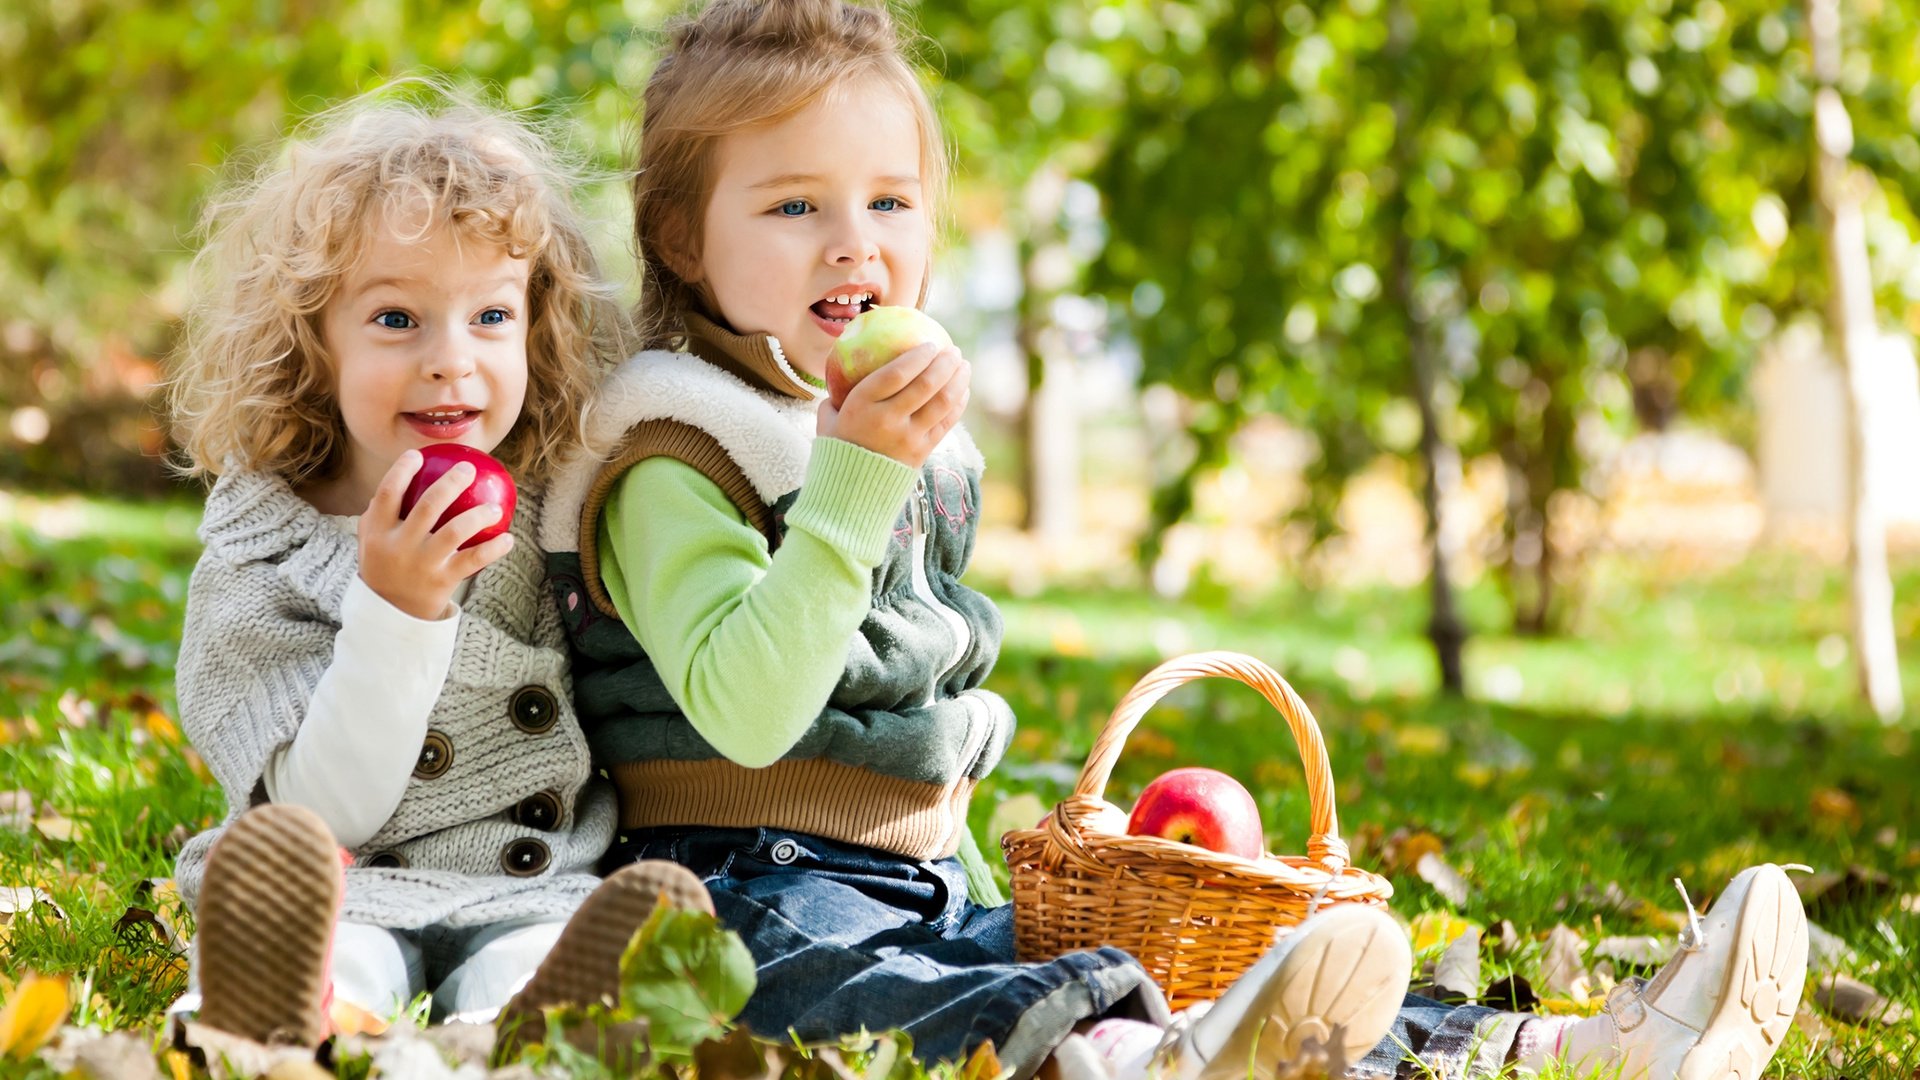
(378, 969)
(499, 961)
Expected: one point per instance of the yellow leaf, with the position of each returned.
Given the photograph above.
(351, 1019)
(1437, 929)
(162, 727)
(56, 828)
(1069, 638)
(983, 1064)
(179, 1065)
(32, 1014)
(1420, 740)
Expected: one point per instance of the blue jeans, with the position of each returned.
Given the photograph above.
(1434, 1039)
(848, 938)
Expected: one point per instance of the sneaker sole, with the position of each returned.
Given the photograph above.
(583, 967)
(267, 907)
(1764, 990)
(1339, 989)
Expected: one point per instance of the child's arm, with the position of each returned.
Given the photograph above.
(750, 645)
(358, 746)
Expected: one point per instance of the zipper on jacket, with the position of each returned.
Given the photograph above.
(918, 513)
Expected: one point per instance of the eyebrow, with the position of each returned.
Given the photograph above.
(508, 280)
(794, 179)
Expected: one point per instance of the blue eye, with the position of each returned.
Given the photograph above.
(890, 204)
(394, 320)
(494, 317)
(793, 208)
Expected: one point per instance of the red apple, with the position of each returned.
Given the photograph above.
(1204, 807)
(492, 486)
(874, 337)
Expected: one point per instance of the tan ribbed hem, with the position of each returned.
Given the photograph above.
(683, 443)
(817, 796)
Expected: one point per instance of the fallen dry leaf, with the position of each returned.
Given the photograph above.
(982, 1064)
(1457, 975)
(1826, 951)
(76, 711)
(16, 810)
(34, 1011)
(1561, 972)
(83, 1054)
(1642, 950)
(351, 1019)
(1855, 1002)
(58, 829)
(1434, 869)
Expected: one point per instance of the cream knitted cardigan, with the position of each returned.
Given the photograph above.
(263, 607)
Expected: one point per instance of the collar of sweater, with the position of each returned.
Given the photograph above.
(767, 433)
(755, 359)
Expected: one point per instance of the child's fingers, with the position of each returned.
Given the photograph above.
(385, 504)
(480, 556)
(440, 495)
(946, 367)
(894, 375)
(462, 527)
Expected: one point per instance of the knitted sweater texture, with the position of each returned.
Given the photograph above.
(501, 819)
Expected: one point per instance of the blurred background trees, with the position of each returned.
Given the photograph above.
(1424, 233)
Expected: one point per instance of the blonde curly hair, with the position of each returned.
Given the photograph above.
(254, 383)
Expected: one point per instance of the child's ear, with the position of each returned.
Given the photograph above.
(678, 254)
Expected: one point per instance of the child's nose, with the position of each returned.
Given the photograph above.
(851, 244)
(450, 359)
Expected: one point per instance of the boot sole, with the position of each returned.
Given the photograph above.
(267, 907)
(583, 967)
(1340, 989)
(1764, 989)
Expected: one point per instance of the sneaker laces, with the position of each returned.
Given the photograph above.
(1695, 936)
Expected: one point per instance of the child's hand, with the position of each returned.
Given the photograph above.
(905, 408)
(407, 562)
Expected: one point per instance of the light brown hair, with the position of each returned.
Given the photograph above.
(738, 64)
(254, 384)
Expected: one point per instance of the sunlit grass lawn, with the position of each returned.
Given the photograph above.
(1696, 722)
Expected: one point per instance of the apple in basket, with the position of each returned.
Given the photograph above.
(1204, 807)
(492, 486)
(872, 339)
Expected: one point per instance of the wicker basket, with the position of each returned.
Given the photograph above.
(1194, 918)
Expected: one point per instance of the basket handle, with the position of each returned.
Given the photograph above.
(1323, 844)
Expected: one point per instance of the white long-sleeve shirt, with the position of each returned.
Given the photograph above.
(352, 757)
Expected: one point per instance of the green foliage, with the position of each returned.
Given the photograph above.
(128, 112)
(1601, 209)
(685, 976)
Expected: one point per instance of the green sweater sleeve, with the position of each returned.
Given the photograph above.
(750, 645)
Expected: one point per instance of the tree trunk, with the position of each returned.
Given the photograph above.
(1049, 420)
(1853, 331)
(1439, 460)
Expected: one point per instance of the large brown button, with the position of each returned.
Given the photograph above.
(540, 810)
(386, 860)
(525, 858)
(533, 709)
(436, 756)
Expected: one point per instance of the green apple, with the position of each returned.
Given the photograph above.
(873, 338)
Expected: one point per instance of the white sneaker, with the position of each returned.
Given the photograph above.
(1335, 983)
(1718, 1009)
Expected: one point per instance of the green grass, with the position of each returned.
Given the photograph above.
(1694, 723)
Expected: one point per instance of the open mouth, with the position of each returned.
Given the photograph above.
(842, 309)
(443, 417)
